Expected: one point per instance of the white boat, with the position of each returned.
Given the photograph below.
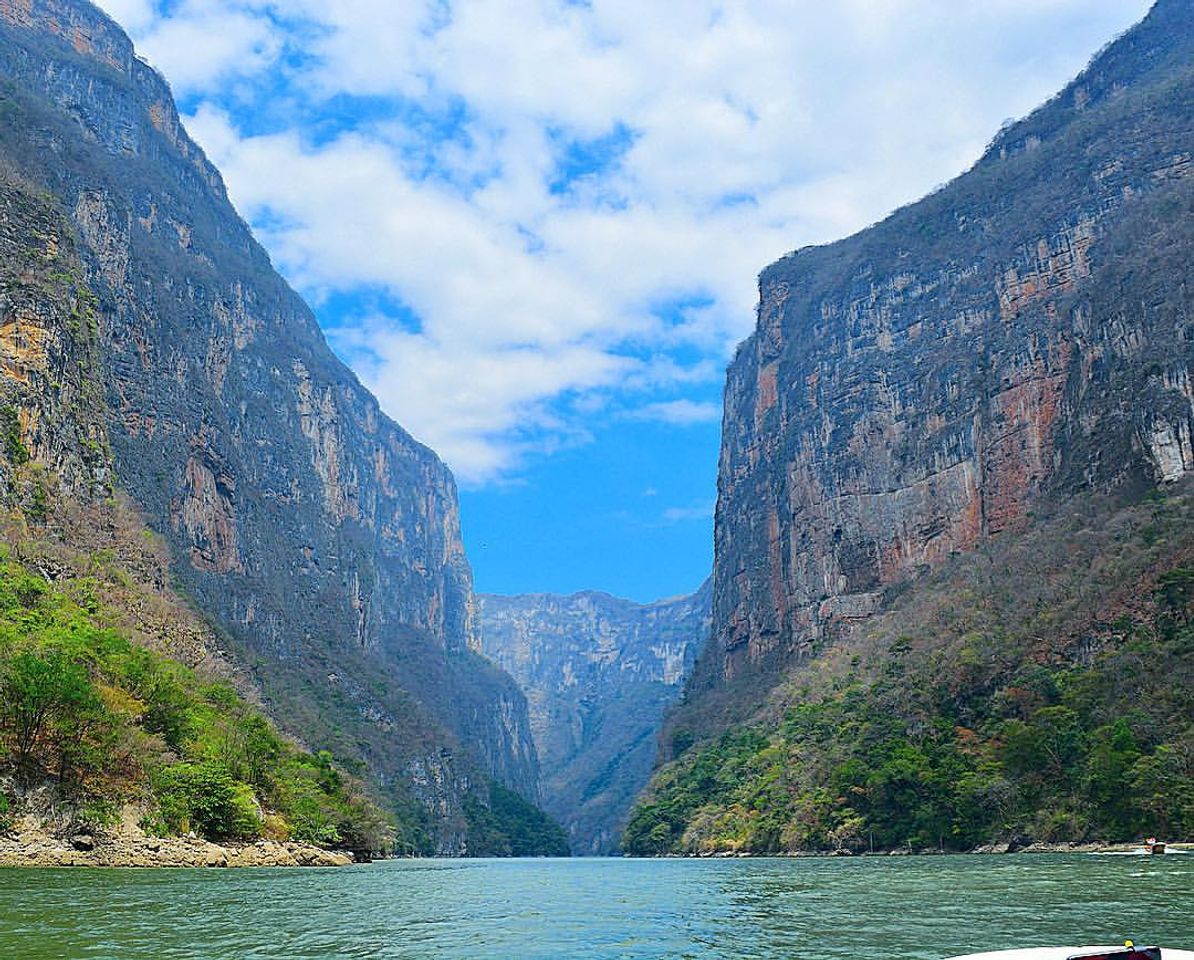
(1074, 953)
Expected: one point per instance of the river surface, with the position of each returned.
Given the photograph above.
(922, 908)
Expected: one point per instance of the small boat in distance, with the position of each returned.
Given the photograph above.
(1153, 845)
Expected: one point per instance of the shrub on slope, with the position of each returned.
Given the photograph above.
(111, 723)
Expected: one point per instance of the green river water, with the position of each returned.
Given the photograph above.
(922, 908)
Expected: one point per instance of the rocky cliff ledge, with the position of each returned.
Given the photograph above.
(916, 389)
(598, 673)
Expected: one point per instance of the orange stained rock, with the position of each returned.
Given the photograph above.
(81, 41)
(1057, 267)
(24, 348)
(19, 12)
(768, 392)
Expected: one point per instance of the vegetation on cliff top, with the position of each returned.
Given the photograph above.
(1038, 688)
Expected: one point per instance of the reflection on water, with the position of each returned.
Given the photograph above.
(896, 909)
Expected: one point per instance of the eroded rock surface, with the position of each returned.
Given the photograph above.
(31, 844)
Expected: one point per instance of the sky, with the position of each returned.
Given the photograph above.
(533, 227)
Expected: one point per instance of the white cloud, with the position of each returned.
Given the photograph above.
(701, 511)
(485, 407)
(678, 412)
(203, 42)
(134, 15)
(756, 127)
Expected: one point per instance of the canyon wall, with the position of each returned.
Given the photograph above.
(916, 389)
(598, 673)
(315, 533)
(51, 399)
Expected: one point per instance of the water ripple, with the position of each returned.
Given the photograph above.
(897, 909)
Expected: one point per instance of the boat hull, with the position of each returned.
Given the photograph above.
(1065, 953)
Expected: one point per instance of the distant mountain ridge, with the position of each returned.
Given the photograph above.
(314, 531)
(598, 673)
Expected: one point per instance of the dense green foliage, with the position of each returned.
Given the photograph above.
(1019, 719)
(112, 723)
(509, 826)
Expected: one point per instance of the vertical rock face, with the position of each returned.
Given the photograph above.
(313, 529)
(916, 388)
(598, 673)
(51, 404)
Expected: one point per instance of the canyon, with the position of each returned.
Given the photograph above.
(598, 672)
(953, 497)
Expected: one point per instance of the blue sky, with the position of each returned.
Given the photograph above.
(533, 226)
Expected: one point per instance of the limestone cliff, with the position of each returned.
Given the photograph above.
(917, 389)
(314, 531)
(598, 673)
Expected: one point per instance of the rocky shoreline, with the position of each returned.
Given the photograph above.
(1035, 847)
(1183, 847)
(38, 848)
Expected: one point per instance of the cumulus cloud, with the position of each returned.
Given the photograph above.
(485, 407)
(566, 205)
(201, 43)
(134, 15)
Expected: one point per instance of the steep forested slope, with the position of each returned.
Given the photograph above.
(1038, 687)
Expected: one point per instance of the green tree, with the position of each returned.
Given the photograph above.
(41, 692)
(205, 799)
(1175, 593)
(1163, 790)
